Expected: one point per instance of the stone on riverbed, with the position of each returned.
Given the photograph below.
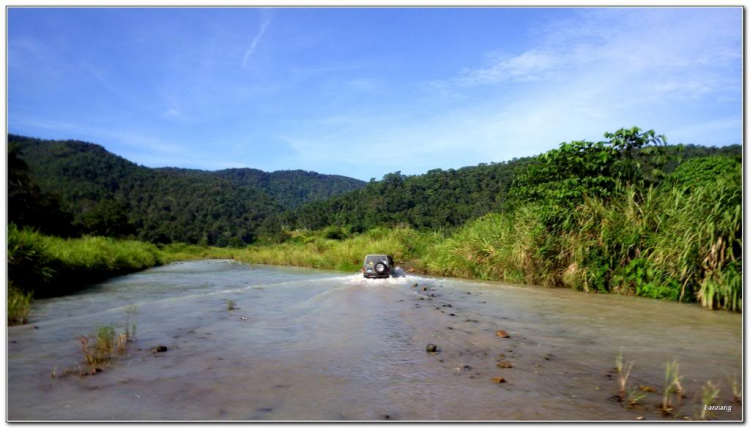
(505, 364)
(432, 348)
(498, 379)
(159, 348)
(502, 333)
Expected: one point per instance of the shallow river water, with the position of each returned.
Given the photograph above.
(307, 344)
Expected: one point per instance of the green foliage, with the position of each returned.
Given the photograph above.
(19, 305)
(28, 204)
(107, 342)
(647, 280)
(563, 176)
(291, 188)
(28, 258)
(667, 243)
(709, 394)
(699, 172)
(334, 232)
(635, 149)
(110, 196)
(436, 200)
(312, 249)
(50, 265)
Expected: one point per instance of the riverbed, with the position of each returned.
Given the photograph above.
(312, 345)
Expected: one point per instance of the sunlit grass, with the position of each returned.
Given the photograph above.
(314, 250)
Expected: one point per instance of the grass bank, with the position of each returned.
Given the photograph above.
(672, 242)
(49, 266)
(335, 248)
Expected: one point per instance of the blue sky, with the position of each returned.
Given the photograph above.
(364, 92)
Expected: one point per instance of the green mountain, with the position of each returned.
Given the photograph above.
(109, 195)
(289, 188)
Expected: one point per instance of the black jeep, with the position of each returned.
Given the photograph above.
(378, 266)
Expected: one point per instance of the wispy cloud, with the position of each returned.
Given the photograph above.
(265, 21)
(669, 51)
(528, 66)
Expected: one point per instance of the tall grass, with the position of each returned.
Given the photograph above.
(48, 266)
(671, 242)
(316, 251)
(19, 305)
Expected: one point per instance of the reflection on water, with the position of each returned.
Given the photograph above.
(318, 345)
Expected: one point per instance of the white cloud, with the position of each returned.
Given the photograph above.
(527, 66)
(666, 69)
(265, 21)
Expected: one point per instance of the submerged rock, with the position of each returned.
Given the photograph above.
(159, 348)
(647, 388)
(505, 364)
(502, 333)
(498, 379)
(432, 348)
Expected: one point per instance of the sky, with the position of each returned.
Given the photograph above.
(364, 92)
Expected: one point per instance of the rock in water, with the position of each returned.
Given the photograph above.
(646, 388)
(504, 364)
(502, 333)
(160, 348)
(498, 379)
(432, 348)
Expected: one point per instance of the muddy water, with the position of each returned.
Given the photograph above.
(316, 345)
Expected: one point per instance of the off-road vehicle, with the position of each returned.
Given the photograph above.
(378, 266)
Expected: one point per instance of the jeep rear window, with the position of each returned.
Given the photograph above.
(371, 260)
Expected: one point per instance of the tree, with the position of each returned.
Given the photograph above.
(28, 204)
(634, 148)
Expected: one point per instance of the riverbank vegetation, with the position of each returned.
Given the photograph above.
(671, 242)
(19, 304)
(340, 249)
(49, 265)
(626, 215)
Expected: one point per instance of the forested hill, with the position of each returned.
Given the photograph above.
(289, 188)
(102, 193)
(442, 198)
(437, 199)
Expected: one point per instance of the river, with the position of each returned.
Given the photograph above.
(314, 345)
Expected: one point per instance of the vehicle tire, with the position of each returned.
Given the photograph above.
(381, 268)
